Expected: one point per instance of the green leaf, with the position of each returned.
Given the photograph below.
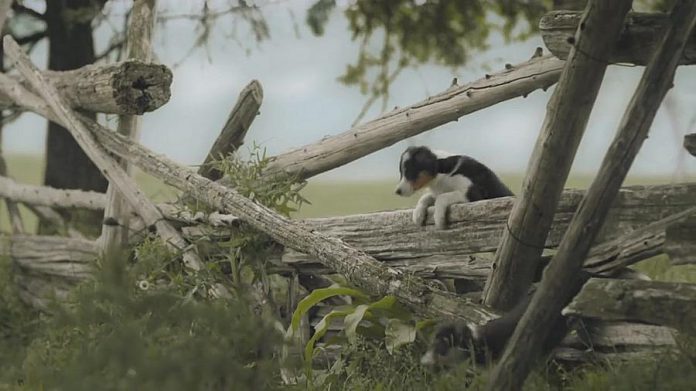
(321, 328)
(350, 323)
(317, 296)
(398, 333)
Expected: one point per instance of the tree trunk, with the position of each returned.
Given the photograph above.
(71, 46)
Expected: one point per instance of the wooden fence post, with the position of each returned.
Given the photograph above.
(561, 280)
(566, 117)
(114, 236)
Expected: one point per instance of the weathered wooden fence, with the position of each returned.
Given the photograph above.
(381, 253)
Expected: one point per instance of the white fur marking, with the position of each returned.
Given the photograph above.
(442, 203)
(420, 212)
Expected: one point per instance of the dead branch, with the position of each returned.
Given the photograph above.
(108, 166)
(639, 40)
(335, 151)
(128, 87)
(561, 279)
(655, 302)
(232, 135)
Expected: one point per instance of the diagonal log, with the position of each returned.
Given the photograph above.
(561, 279)
(232, 135)
(114, 236)
(567, 114)
(358, 268)
(654, 302)
(335, 151)
(107, 164)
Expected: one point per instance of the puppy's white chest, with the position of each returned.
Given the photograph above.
(445, 183)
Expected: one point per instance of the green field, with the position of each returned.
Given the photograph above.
(327, 198)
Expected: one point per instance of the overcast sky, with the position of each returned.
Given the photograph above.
(304, 102)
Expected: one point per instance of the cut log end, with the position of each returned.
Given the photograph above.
(636, 45)
(140, 87)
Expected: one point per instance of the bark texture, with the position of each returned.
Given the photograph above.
(566, 117)
(561, 279)
(639, 40)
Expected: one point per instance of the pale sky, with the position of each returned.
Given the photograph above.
(304, 102)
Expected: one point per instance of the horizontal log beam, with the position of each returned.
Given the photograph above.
(476, 228)
(457, 101)
(48, 196)
(128, 87)
(654, 302)
(638, 41)
(680, 242)
(55, 256)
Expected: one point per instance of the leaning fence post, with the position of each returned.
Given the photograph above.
(561, 280)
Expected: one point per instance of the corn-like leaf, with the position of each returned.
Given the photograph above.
(317, 296)
(398, 333)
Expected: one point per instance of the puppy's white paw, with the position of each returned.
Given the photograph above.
(420, 214)
(440, 216)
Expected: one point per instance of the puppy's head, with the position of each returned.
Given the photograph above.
(418, 166)
(453, 344)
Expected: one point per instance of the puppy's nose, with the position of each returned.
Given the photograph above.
(398, 191)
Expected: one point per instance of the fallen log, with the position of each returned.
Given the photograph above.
(637, 43)
(457, 101)
(127, 87)
(654, 302)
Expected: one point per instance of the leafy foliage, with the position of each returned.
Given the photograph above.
(383, 321)
(413, 32)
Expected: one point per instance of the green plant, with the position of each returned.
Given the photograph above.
(383, 321)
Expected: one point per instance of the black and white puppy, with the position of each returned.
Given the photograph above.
(449, 178)
(452, 343)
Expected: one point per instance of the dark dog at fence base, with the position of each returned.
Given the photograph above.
(453, 343)
(449, 178)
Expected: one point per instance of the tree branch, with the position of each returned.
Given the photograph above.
(335, 151)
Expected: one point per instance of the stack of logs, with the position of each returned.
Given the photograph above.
(381, 253)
